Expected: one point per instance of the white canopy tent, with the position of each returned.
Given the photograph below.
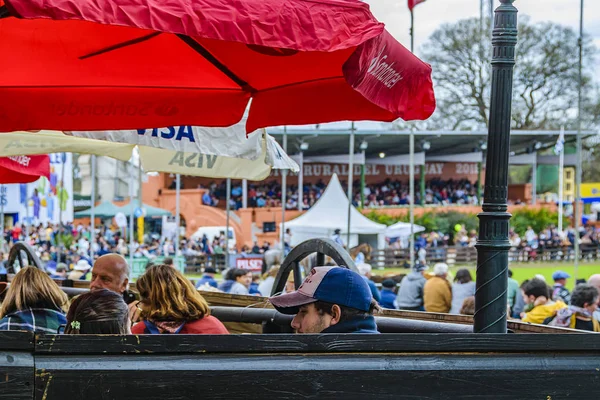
(402, 230)
(330, 213)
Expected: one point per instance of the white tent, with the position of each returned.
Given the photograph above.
(329, 213)
(401, 230)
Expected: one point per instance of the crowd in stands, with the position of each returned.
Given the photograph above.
(386, 193)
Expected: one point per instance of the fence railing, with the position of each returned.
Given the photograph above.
(393, 258)
(195, 264)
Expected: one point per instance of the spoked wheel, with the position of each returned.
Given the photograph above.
(20, 256)
(323, 248)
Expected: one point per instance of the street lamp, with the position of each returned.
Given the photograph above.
(425, 145)
(363, 145)
(304, 146)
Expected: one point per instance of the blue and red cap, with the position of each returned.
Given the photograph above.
(334, 285)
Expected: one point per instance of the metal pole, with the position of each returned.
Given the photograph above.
(177, 211)
(283, 194)
(412, 31)
(578, 168)
(93, 210)
(244, 193)
(131, 225)
(411, 195)
(362, 180)
(2, 199)
(301, 182)
(350, 181)
(534, 180)
(228, 216)
(479, 193)
(492, 243)
(422, 183)
(561, 184)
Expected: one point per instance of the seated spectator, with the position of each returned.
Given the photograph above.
(330, 300)
(266, 286)
(364, 270)
(538, 306)
(253, 289)
(388, 296)
(101, 312)
(80, 270)
(468, 306)
(595, 282)
(410, 294)
(437, 293)
(208, 278)
(170, 304)
(242, 280)
(580, 313)
(463, 287)
(33, 302)
(61, 271)
(559, 291)
(228, 280)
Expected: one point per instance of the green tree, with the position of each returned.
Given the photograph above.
(545, 78)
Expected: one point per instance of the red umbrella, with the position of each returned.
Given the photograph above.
(24, 169)
(128, 64)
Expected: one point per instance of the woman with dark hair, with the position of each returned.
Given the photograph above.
(33, 302)
(171, 304)
(99, 312)
(463, 287)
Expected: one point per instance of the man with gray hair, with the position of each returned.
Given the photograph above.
(595, 282)
(437, 294)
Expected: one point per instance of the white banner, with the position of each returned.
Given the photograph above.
(228, 142)
(44, 200)
(398, 160)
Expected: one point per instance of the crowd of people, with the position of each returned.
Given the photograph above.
(531, 301)
(331, 299)
(386, 193)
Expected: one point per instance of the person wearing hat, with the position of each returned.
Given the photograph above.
(81, 268)
(559, 291)
(410, 294)
(388, 297)
(208, 278)
(437, 293)
(330, 300)
(337, 237)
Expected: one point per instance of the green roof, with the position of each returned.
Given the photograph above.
(103, 210)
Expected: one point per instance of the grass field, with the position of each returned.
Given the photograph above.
(522, 271)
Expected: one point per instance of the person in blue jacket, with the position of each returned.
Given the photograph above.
(208, 278)
(330, 300)
(388, 296)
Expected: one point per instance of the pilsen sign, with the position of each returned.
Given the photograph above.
(435, 169)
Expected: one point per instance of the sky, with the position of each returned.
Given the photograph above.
(433, 13)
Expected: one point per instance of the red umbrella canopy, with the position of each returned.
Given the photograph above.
(127, 64)
(24, 169)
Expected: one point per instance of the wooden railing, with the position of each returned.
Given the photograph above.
(394, 258)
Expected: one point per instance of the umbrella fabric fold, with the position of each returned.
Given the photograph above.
(156, 159)
(24, 168)
(146, 63)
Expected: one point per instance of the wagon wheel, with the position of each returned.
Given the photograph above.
(20, 256)
(323, 248)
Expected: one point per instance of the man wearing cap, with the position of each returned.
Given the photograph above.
(437, 293)
(208, 278)
(410, 294)
(388, 297)
(559, 291)
(330, 300)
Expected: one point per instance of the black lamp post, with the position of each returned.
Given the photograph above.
(492, 244)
